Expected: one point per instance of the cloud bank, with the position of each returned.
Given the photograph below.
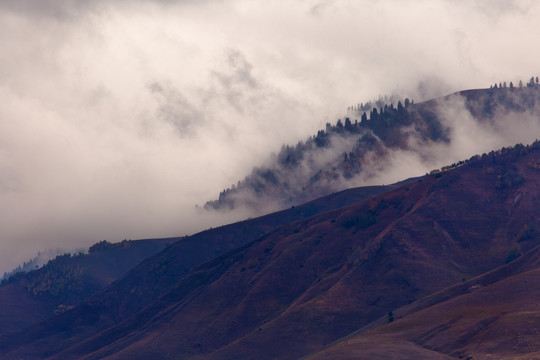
(118, 118)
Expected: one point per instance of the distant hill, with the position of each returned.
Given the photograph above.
(68, 280)
(306, 284)
(362, 146)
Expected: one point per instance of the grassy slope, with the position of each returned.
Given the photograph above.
(492, 316)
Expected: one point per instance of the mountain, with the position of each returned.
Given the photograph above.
(366, 145)
(308, 283)
(35, 296)
(68, 280)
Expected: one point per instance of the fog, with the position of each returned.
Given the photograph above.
(117, 119)
(468, 137)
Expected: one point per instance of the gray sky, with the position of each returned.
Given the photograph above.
(117, 119)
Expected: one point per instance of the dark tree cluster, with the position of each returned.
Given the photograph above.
(533, 82)
(62, 276)
(378, 104)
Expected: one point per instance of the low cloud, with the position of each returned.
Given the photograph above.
(118, 118)
(468, 136)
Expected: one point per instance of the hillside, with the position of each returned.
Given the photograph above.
(365, 144)
(106, 262)
(491, 315)
(307, 284)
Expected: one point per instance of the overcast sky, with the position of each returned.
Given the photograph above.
(117, 118)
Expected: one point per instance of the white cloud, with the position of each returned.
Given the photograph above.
(117, 118)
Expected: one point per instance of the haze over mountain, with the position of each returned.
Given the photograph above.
(118, 117)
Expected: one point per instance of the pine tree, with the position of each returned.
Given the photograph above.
(363, 119)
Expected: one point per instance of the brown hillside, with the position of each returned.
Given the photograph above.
(492, 316)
